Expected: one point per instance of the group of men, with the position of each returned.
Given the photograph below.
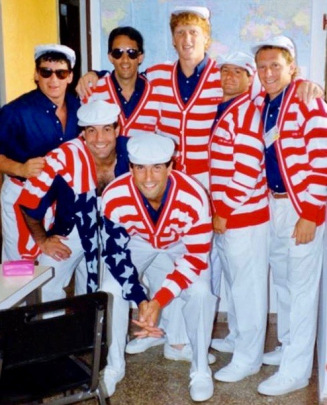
(181, 173)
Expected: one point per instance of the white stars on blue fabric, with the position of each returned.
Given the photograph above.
(122, 241)
(119, 257)
(86, 222)
(118, 260)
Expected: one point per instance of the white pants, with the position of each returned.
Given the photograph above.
(244, 256)
(54, 289)
(10, 192)
(194, 308)
(296, 274)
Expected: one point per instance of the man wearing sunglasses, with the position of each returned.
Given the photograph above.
(31, 126)
(125, 86)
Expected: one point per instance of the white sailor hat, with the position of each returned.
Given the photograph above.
(150, 148)
(279, 41)
(202, 12)
(97, 112)
(40, 50)
(240, 59)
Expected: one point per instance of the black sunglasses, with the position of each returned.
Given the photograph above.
(117, 53)
(60, 73)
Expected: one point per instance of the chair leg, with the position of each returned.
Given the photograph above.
(101, 397)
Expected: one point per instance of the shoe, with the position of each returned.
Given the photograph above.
(234, 372)
(185, 354)
(280, 384)
(273, 358)
(110, 379)
(222, 345)
(201, 387)
(141, 345)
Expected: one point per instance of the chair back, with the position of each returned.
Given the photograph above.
(43, 331)
(42, 348)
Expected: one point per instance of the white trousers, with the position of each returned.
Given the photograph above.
(296, 274)
(10, 192)
(192, 311)
(244, 256)
(54, 289)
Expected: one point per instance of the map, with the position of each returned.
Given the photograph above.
(236, 25)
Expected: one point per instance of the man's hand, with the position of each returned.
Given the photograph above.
(304, 231)
(31, 168)
(86, 83)
(307, 91)
(219, 224)
(52, 246)
(147, 319)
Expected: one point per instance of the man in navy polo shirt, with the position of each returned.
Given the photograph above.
(31, 126)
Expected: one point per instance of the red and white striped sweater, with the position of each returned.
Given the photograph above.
(302, 153)
(189, 125)
(237, 174)
(185, 217)
(144, 117)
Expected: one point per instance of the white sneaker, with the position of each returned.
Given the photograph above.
(201, 387)
(273, 358)
(184, 354)
(279, 384)
(110, 379)
(222, 345)
(234, 372)
(141, 345)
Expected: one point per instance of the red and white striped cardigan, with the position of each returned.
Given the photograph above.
(189, 124)
(238, 185)
(302, 153)
(185, 217)
(144, 117)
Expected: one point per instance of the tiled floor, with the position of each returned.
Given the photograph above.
(152, 380)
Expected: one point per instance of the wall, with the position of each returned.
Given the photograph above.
(24, 24)
(236, 25)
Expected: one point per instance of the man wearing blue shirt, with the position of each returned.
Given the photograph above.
(31, 126)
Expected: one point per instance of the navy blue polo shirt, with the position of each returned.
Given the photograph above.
(269, 118)
(29, 127)
(129, 106)
(221, 109)
(187, 85)
(155, 214)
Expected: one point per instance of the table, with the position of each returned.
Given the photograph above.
(14, 289)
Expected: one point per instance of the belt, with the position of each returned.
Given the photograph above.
(277, 196)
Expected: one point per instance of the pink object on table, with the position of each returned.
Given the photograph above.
(18, 268)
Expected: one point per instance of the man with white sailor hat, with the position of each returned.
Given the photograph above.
(73, 176)
(32, 125)
(191, 88)
(240, 216)
(157, 212)
(295, 138)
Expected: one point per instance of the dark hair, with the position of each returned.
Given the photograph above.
(53, 56)
(167, 164)
(129, 32)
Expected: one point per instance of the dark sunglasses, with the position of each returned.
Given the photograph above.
(60, 73)
(117, 53)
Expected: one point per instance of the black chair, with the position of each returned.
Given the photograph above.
(38, 354)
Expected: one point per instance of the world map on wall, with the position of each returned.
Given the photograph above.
(236, 25)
